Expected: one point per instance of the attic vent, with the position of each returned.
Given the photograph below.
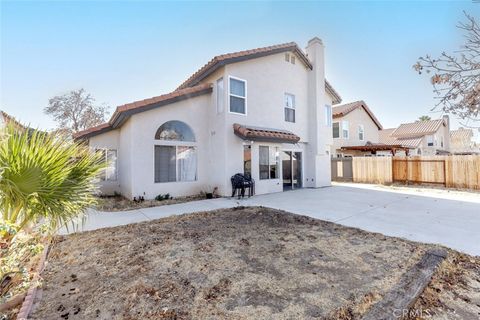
(287, 57)
(292, 60)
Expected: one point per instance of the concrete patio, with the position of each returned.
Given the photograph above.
(444, 217)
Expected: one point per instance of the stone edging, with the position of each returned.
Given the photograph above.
(32, 291)
(398, 301)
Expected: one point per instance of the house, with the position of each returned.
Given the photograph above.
(354, 125)
(462, 142)
(430, 137)
(6, 119)
(264, 112)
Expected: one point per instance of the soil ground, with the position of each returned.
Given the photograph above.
(242, 263)
(119, 203)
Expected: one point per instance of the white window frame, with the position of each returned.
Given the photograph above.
(277, 162)
(345, 127)
(339, 130)
(220, 98)
(361, 130)
(328, 116)
(291, 108)
(430, 139)
(234, 95)
(103, 175)
(176, 144)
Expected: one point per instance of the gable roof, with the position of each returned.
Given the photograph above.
(219, 61)
(190, 88)
(418, 128)
(344, 109)
(122, 112)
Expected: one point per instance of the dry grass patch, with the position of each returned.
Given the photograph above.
(242, 263)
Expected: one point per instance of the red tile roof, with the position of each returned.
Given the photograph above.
(191, 88)
(418, 128)
(385, 137)
(10, 119)
(344, 109)
(461, 134)
(124, 111)
(264, 134)
(224, 59)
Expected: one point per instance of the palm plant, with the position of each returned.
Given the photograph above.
(44, 178)
(424, 118)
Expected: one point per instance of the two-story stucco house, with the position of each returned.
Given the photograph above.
(354, 124)
(426, 138)
(266, 112)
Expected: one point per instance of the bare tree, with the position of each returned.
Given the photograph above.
(424, 118)
(76, 111)
(456, 77)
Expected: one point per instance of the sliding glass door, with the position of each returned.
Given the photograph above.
(291, 170)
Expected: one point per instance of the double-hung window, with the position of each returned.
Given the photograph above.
(361, 132)
(269, 162)
(345, 130)
(336, 129)
(110, 158)
(238, 95)
(289, 107)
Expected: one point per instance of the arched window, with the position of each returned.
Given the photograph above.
(176, 131)
(175, 153)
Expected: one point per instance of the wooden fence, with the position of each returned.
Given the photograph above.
(450, 171)
(372, 169)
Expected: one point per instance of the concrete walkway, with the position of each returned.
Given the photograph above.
(428, 215)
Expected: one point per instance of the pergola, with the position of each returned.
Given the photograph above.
(373, 148)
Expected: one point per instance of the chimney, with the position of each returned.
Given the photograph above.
(319, 133)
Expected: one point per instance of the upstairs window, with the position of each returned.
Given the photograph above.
(328, 115)
(238, 95)
(336, 129)
(220, 95)
(361, 132)
(430, 141)
(289, 107)
(345, 130)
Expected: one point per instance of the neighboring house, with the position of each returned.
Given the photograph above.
(462, 142)
(264, 112)
(354, 124)
(6, 119)
(421, 137)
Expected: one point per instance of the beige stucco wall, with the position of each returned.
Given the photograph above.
(108, 140)
(355, 118)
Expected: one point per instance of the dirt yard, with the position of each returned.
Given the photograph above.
(119, 203)
(242, 263)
